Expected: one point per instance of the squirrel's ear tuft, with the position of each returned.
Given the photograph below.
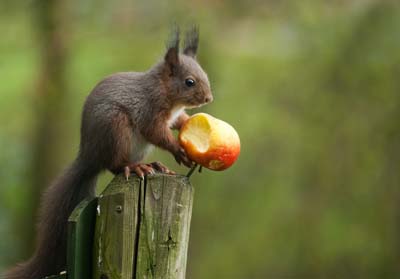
(172, 55)
(191, 41)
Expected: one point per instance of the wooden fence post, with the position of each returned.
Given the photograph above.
(142, 228)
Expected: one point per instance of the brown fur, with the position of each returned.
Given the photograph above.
(122, 117)
(122, 132)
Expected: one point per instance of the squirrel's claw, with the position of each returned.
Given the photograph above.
(162, 168)
(182, 158)
(141, 170)
(127, 172)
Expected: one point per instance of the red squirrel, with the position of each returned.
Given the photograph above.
(123, 117)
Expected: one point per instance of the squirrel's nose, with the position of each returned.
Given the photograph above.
(208, 99)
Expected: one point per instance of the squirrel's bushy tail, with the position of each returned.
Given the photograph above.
(75, 184)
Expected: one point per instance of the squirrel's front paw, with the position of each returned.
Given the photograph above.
(181, 157)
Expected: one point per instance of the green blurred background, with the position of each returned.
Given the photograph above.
(312, 87)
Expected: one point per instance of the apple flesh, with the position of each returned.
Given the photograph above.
(209, 141)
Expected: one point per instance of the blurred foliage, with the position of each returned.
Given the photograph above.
(311, 86)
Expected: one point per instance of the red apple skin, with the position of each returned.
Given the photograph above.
(224, 147)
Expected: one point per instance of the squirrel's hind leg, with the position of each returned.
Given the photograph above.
(120, 142)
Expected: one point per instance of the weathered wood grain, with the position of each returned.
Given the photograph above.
(164, 227)
(142, 228)
(115, 233)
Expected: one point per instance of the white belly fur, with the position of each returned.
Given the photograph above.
(174, 115)
(140, 147)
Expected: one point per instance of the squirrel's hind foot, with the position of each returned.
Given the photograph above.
(158, 166)
(142, 170)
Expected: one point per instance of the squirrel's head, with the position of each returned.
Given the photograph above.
(185, 81)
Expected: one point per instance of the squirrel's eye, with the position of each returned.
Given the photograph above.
(190, 82)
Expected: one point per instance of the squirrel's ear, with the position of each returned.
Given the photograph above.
(172, 56)
(191, 41)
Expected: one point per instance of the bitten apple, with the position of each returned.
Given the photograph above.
(209, 141)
